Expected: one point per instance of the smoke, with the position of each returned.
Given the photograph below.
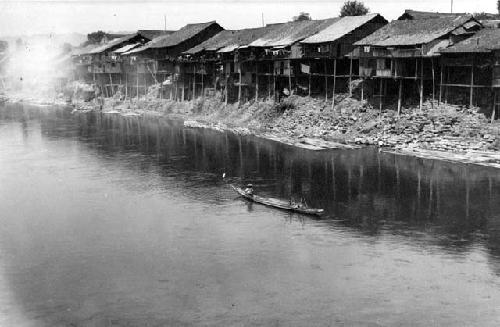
(36, 66)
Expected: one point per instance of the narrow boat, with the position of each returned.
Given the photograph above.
(277, 203)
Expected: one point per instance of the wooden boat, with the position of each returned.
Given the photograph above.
(277, 203)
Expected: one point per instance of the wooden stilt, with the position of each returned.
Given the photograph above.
(126, 86)
(274, 83)
(202, 85)
(421, 83)
(183, 90)
(471, 104)
(350, 76)
(256, 82)
(226, 91)
(290, 76)
(441, 83)
(433, 83)
(171, 87)
(310, 71)
(269, 82)
(363, 90)
(334, 81)
(137, 83)
(326, 82)
(446, 90)
(239, 82)
(194, 82)
(494, 106)
(400, 95)
(380, 97)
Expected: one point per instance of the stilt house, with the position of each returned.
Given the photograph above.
(155, 62)
(106, 64)
(403, 55)
(334, 43)
(471, 71)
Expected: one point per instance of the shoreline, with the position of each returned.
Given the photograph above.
(425, 135)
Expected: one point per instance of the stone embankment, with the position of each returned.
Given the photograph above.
(439, 131)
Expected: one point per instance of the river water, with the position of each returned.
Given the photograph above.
(125, 221)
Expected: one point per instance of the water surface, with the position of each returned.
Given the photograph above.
(125, 221)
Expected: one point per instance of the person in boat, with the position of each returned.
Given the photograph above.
(249, 190)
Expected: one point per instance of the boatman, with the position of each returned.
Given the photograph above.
(249, 190)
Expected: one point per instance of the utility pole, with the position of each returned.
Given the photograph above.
(165, 22)
(452, 6)
(263, 25)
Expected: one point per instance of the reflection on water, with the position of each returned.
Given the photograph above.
(109, 220)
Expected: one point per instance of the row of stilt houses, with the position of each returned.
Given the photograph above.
(444, 57)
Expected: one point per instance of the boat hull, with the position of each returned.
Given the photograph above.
(277, 203)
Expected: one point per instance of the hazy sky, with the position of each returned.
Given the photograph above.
(46, 16)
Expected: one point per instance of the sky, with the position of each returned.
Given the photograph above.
(55, 16)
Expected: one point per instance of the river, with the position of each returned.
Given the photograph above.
(108, 220)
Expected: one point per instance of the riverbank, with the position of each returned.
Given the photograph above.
(438, 131)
